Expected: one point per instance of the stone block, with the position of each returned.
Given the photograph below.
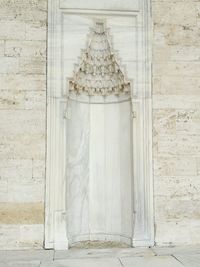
(27, 255)
(164, 261)
(22, 146)
(19, 82)
(169, 13)
(110, 262)
(36, 31)
(35, 100)
(176, 250)
(175, 166)
(22, 213)
(15, 169)
(164, 121)
(23, 264)
(174, 85)
(19, 48)
(188, 121)
(176, 232)
(173, 68)
(22, 122)
(23, 10)
(32, 66)
(176, 35)
(75, 253)
(198, 165)
(30, 191)
(3, 190)
(175, 209)
(177, 188)
(9, 236)
(9, 65)
(22, 100)
(12, 30)
(31, 236)
(39, 168)
(2, 48)
(175, 52)
(176, 145)
(189, 260)
(182, 102)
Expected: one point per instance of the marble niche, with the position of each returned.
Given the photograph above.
(99, 142)
(99, 185)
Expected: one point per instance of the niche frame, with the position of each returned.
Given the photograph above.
(55, 210)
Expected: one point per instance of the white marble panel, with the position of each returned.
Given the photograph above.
(77, 169)
(99, 174)
(76, 28)
(103, 4)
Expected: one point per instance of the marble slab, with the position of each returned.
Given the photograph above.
(84, 263)
(189, 260)
(164, 261)
(102, 5)
(105, 253)
(176, 250)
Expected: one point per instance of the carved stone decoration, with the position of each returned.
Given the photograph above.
(99, 72)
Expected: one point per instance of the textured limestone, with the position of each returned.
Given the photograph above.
(176, 64)
(26, 213)
(23, 122)
(23, 82)
(22, 236)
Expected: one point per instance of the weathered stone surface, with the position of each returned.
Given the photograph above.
(177, 232)
(21, 122)
(36, 31)
(110, 262)
(13, 169)
(176, 34)
(32, 66)
(26, 213)
(2, 47)
(22, 100)
(174, 13)
(24, 264)
(189, 260)
(175, 85)
(25, 48)
(175, 166)
(12, 30)
(9, 65)
(22, 146)
(20, 82)
(21, 236)
(164, 261)
(176, 121)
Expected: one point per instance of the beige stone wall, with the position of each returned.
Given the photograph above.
(176, 110)
(176, 103)
(22, 127)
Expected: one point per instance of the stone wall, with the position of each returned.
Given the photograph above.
(176, 104)
(176, 110)
(22, 127)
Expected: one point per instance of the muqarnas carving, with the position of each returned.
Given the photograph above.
(98, 72)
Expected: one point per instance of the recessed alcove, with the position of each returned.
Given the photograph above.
(99, 172)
